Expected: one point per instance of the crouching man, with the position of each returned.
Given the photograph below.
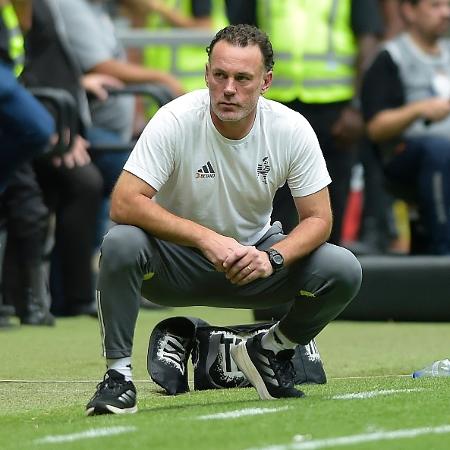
(193, 208)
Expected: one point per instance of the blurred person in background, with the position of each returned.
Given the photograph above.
(372, 223)
(71, 184)
(26, 130)
(96, 50)
(406, 103)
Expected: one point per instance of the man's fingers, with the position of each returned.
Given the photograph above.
(69, 160)
(247, 275)
(232, 259)
(57, 161)
(242, 274)
(219, 267)
(82, 158)
(248, 270)
(236, 269)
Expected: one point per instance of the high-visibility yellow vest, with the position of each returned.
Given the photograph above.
(16, 43)
(314, 48)
(186, 62)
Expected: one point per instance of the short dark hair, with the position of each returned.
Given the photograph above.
(242, 36)
(413, 2)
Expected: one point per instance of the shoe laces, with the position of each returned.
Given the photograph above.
(110, 382)
(284, 368)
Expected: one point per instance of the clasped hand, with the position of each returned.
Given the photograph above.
(241, 264)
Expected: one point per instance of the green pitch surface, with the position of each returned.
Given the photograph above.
(48, 374)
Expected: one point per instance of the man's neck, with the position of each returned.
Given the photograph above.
(427, 45)
(233, 130)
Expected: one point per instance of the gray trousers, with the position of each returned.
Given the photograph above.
(135, 264)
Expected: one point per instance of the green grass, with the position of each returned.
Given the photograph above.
(53, 372)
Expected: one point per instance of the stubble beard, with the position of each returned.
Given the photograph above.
(231, 116)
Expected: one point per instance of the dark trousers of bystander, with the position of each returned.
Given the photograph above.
(424, 167)
(25, 125)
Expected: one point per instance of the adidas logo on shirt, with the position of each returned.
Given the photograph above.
(206, 171)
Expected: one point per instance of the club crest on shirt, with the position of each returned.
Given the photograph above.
(263, 169)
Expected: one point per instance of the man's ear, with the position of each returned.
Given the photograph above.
(267, 81)
(206, 74)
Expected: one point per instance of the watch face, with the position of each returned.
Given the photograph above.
(277, 259)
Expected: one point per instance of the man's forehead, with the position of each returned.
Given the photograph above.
(226, 53)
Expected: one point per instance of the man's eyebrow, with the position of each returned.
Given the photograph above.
(247, 74)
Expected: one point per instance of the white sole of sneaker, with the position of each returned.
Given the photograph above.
(240, 355)
(113, 410)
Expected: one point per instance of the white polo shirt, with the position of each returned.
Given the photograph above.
(227, 185)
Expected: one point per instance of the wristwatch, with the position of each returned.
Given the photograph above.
(276, 259)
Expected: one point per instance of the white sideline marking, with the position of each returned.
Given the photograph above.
(65, 381)
(371, 394)
(373, 377)
(88, 434)
(242, 413)
(370, 377)
(359, 438)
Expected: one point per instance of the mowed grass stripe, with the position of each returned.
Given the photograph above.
(88, 434)
(371, 394)
(242, 413)
(359, 439)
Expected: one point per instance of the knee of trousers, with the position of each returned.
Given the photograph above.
(123, 247)
(436, 151)
(341, 270)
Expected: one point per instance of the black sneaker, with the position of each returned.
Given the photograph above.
(114, 396)
(271, 374)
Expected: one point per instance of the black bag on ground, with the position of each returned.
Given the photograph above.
(214, 367)
(169, 348)
(173, 340)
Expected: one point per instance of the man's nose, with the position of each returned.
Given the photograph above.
(230, 87)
